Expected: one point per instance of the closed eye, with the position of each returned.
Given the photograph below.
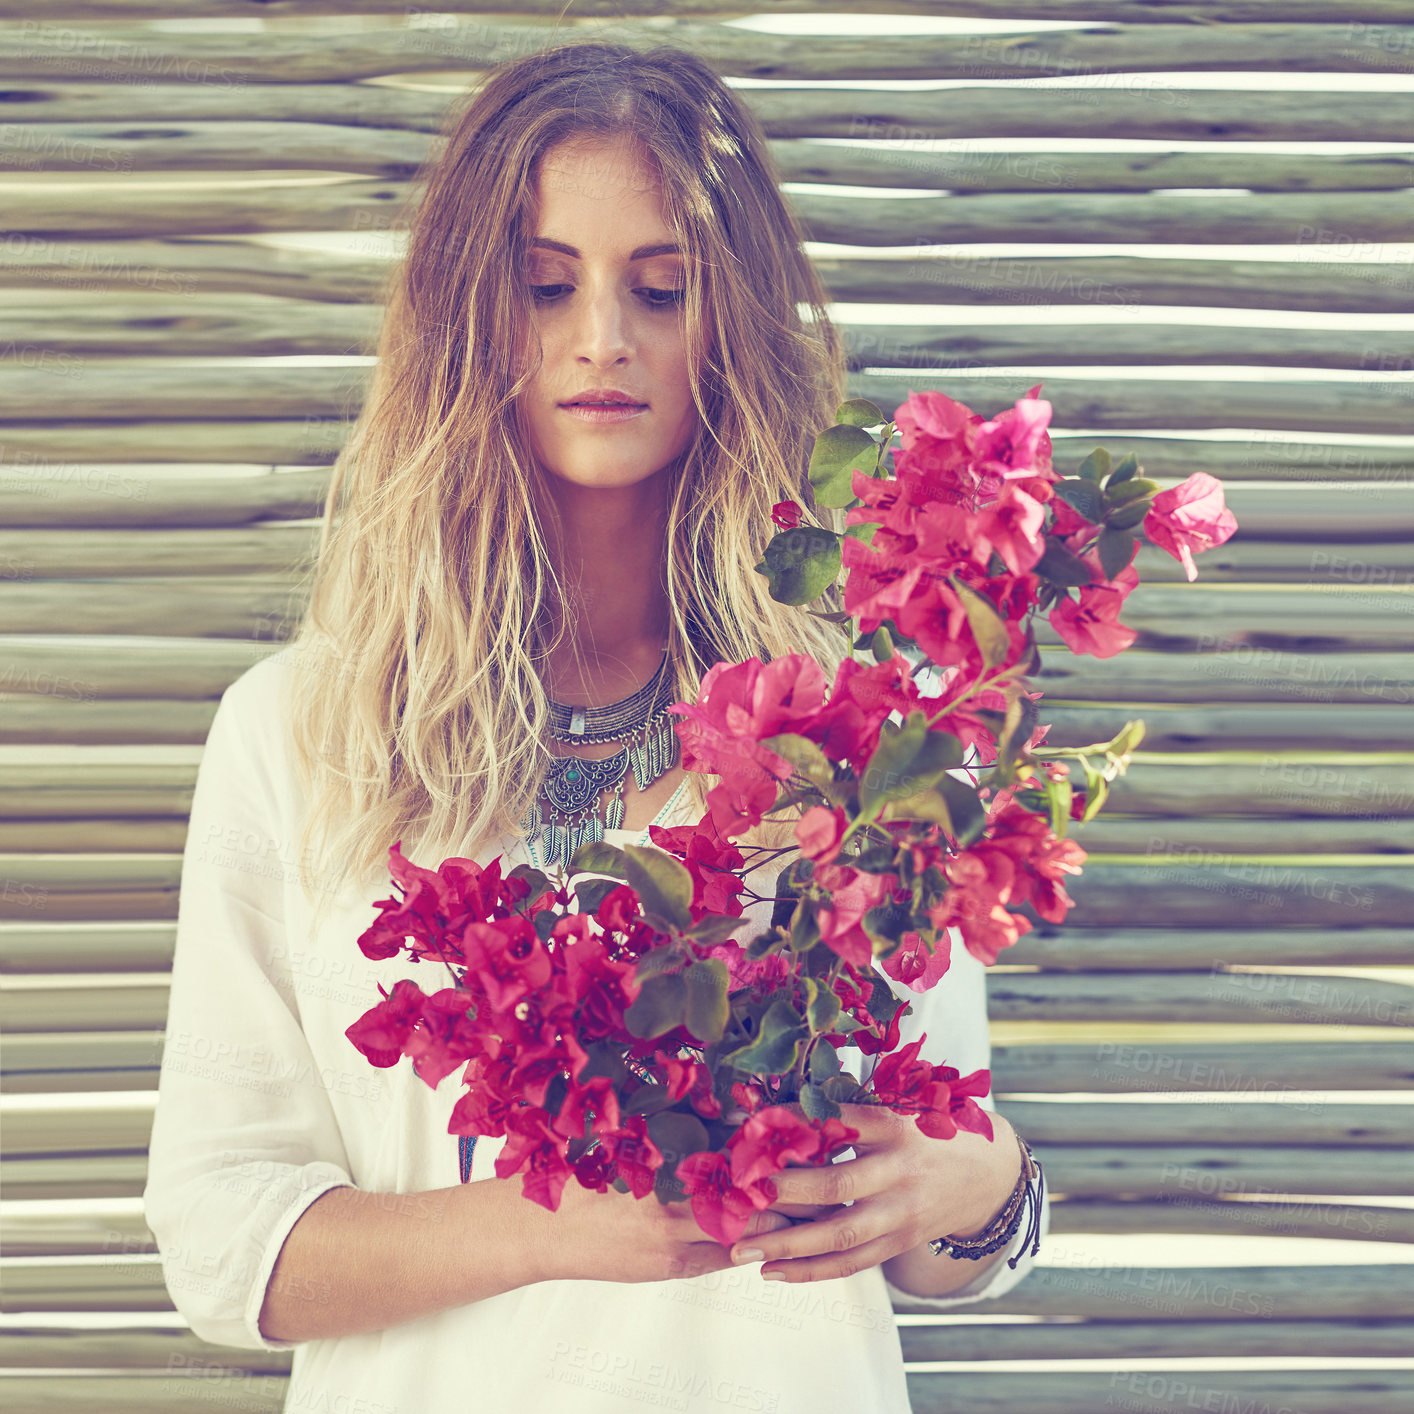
(658, 299)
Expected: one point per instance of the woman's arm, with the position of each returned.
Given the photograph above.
(359, 1261)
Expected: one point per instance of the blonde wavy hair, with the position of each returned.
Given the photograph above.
(432, 601)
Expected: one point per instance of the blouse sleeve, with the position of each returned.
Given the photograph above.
(953, 1013)
(244, 1138)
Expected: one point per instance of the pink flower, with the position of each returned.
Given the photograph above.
(914, 964)
(786, 514)
(1092, 625)
(1190, 518)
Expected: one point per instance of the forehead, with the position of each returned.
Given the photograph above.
(605, 195)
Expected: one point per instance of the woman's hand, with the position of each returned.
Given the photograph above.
(903, 1188)
(614, 1236)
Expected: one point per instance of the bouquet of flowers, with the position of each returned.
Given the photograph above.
(635, 1038)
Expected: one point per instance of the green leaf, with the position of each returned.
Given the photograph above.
(824, 1061)
(864, 532)
(805, 755)
(1127, 468)
(906, 760)
(817, 1104)
(661, 1004)
(881, 645)
(823, 1008)
(599, 857)
(1096, 466)
(590, 893)
(987, 625)
(663, 884)
(647, 1100)
(801, 564)
(713, 929)
(1083, 495)
(838, 453)
(1133, 490)
(544, 923)
(707, 1008)
(1061, 566)
(882, 1003)
(677, 1135)
(1127, 517)
(776, 1047)
(968, 814)
(1116, 549)
(805, 926)
(844, 1089)
(859, 412)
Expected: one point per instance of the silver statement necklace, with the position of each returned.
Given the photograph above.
(573, 784)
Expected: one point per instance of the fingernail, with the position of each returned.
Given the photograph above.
(773, 1276)
(748, 1254)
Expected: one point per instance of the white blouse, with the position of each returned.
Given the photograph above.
(264, 1104)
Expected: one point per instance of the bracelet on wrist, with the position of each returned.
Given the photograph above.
(1030, 1187)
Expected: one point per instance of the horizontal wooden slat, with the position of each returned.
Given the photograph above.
(1269, 728)
(1245, 997)
(150, 1342)
(1238, 1216)
(1322, 282)
(306, 441)
(968, 110)
(1127, 11)
(961, 171)
(110, 947)
(1335, 1391)
(1276, 786)
(54, 1062)
(1142, 1170)
(93, 1130)
(263, 325)
(215, 326)
(1157, 113)
(1247, 674)
(1150, 1340)
(1235, 889)
(172, 208)
(243, 58)
(199, 667)
(993, 344)
(1310, 405)
(104, 499)
(217, 147)
(240, 606)
(1169, 949)
(1115, 1067)
(133, 389)
(197, 146)
(193, 669)
(76, 555)
(44, 1003)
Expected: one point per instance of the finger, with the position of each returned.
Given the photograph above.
(801, 1211)
(834, 1265)
(849, 1228)
(828, 1184)
(877, 1124)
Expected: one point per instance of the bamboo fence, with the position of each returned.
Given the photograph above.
(1169, 1050)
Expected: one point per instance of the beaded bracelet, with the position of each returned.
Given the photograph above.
(1003, 1227)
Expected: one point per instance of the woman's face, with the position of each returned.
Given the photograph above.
(609, 313)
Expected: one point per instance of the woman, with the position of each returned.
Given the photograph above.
(502, 568)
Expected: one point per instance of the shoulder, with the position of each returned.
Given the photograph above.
(250, 729)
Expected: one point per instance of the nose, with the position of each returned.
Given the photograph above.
(603, 332)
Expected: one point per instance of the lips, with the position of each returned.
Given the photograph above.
(604, 397)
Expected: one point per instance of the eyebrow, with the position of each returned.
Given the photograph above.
(642, 253)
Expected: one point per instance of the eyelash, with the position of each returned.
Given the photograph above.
(674, 300)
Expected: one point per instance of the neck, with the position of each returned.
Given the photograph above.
(608, 545)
